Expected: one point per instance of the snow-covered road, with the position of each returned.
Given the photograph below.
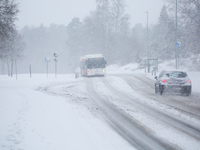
(118, 111)
(130, 106)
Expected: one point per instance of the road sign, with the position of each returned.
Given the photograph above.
(55, 54)
(47, 59)
(178, 44)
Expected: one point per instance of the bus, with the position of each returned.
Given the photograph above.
(92, 65)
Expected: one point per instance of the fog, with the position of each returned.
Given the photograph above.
(37, 12)
(43, 25)
(43, 110)
(115, 28)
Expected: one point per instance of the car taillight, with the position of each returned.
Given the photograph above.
(164, 81)
(189, 81)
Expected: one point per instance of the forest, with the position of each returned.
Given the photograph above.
(106, 30)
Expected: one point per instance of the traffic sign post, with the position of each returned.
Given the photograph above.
(47, 60)
(55, 59)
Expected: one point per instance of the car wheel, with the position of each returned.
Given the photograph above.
(161, 88)
(156, 89)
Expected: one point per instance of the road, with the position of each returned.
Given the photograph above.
(130, 106)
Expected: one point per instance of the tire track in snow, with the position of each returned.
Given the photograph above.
(190, 103)
(130, 130)
(172, 101)
(175, 122)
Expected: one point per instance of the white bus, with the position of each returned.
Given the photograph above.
(92, 65)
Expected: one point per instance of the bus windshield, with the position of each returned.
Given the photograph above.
(96, 63)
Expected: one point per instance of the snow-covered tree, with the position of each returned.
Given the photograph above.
(10, 40)
(8, 12)
(188, 26)
(75, 40)
(74, 32)
(138, 37)
(163, 37)
(14, 47)
(106, 30)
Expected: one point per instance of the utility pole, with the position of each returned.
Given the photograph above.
(147, 37)
(148, 66)
(176, 50)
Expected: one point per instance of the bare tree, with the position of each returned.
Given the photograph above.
(188, 26)
(13, 52)
(8, 12)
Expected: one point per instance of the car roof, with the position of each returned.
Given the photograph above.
(173, 71)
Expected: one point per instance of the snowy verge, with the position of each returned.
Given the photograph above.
(31, 119)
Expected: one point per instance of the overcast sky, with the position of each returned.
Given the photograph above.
(37, 12)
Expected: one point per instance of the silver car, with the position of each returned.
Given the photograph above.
(173, 82)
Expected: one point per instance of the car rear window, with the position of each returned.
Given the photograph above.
(177, 74)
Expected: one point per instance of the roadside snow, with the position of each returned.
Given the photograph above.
(34, 120)
(161, 129)
(30, 119)
(133, 68)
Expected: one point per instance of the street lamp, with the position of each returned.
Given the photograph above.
(176, 50)
(147, 51)
(147, 37)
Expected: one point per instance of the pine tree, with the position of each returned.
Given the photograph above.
(163, 36)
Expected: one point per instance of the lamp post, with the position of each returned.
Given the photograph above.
(147, 50)
(147, 37)
(176, 50)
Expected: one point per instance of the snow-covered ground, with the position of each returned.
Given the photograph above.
(31, 119)
(133, 68)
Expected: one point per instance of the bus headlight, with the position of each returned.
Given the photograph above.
(104, 70)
